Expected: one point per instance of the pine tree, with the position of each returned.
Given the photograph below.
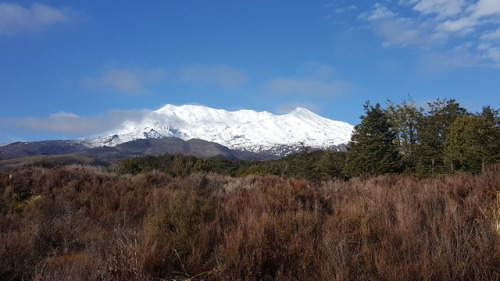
(491, 114)
(372, 149)
(473, 141)
(433, 130)
(330, 164)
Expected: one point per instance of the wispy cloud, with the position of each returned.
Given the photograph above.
(441, 8)
(127, 81)
(308, 87)
(314, 80)
(398, 31)
(220, 75)
(316, 70)
(70, 123)
(15, 18)
(139, 80)
(441, 26)
(379, 12)
(434, 62)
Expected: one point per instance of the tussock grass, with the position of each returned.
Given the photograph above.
(89, 224)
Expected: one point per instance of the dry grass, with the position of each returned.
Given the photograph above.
(83, 223)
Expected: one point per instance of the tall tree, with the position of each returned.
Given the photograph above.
(491, 114)
(433, 130)
(372, 149)
(330, 164)
(473, 141)
(404, 119)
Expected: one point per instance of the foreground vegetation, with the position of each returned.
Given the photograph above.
(415, 197)
(86, 223)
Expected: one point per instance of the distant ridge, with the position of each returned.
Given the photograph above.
(192, 130)
(70, 151)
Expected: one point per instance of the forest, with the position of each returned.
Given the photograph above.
(415, 197)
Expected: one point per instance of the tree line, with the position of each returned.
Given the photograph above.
(319, 164)
(401, 138)
(404, 138)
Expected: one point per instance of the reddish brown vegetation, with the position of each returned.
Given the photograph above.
(82, 223)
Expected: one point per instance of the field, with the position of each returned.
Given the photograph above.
(86, 223)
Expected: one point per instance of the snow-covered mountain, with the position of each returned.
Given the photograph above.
(244, 130)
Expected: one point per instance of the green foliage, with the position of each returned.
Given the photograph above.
(301, 164)
(404, 119)
(433, 130)
(473, 141)
(491, 114)
(330, 164)
(17, 204)
(304, 164)
(372, 149)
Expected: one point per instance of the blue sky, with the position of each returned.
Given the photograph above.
(77, 68)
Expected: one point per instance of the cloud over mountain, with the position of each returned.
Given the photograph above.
(73, 124)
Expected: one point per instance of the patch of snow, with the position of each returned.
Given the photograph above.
(246, 130)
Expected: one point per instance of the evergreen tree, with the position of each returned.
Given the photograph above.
(330, 164)
(473, 141)
(372, 149)
(302, 164)
(491, 114)
(433, 133)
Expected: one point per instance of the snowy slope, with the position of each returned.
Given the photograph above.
(240, 130)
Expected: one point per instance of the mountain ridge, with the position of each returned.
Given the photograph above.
(70, 151)
(192, 130)
(242, 130)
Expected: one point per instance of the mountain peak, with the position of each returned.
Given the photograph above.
(245, 130)
(301, 111)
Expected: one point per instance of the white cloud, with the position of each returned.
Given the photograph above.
(340, 10)
(70, 123)
(220, 75)
(460, 56)
(461, 25)
(127, 81)
(138, 81)
(15, 18)
(308, 87)
(459, 15)
(400, 32)
(485, 8)
(378, 12)
(440, 27)
(442, 8)
(490, 51)
(491, 35)
(397, 31)
(316, 70)
(314, 80)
